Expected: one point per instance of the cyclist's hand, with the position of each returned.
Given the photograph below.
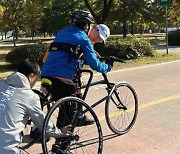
(65, 130)
(110, 60)
(43, 90)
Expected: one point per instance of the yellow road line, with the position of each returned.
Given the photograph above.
(145, 105)
(159, 101)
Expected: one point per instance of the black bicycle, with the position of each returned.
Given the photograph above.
(82, 139)
(121, 110)
(121, 101)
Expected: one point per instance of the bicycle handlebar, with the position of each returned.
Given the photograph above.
(112, 59)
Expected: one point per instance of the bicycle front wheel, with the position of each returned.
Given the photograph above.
(84, 139)
(121, 108)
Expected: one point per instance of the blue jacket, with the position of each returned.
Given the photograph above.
(57, 64)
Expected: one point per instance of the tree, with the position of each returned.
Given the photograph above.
(49, 16)
(147, 14)
(57, 15)
(102, 8)
(33, 12)
(174, 13)
(12, 16)
(124, 13)
(1, 23)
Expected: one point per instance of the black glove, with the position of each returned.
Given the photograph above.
(110, 60)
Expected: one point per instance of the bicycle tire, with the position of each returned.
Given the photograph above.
(121, 118)
(89, 138)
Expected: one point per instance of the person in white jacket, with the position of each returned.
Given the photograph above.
(18, 103)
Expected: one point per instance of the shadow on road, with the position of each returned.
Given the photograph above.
(27, 142)
(110, 136)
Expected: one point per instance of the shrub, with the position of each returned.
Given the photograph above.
(33, 52)
(126, 48)
(174, 38)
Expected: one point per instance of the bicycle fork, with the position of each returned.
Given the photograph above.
(112, 89)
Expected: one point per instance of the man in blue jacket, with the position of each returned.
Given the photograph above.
(60, 66)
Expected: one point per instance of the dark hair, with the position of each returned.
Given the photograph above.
(27, 67)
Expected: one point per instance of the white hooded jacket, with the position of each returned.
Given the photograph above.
(18, 103)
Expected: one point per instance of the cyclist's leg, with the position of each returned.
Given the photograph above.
(83, 120)
(62, 89)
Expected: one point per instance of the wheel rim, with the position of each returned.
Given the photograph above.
(120, 118)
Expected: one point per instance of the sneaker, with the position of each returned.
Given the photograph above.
(62, 151)
(34, 134)
(84, 121)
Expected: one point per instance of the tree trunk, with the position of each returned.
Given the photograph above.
(124, 19)
(106, 10)
(14, 41)
(124, 28)
(32, 33)
(1, 35)
(16, 34)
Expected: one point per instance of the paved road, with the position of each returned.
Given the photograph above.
(171, 49)
(158, 125)
(157, 128)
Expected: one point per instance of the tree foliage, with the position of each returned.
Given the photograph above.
(56, 15)
(174, 13)
(99, 9)
(49, 16)
(33, 12)
(13, 15)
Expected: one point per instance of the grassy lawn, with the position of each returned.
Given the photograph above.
(159, 58)
(5, 68)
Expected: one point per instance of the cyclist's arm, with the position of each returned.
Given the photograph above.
(37, 117)
(45, 56)
(92, 60)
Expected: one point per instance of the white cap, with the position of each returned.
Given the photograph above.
(104, 31)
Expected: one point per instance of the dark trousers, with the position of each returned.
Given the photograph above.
(59, 90)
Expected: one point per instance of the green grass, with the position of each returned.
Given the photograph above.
(5, 68)
(158, 58)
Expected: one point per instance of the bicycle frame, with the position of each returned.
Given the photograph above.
(110, 87)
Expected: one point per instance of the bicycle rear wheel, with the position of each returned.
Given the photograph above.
(85, 139)
(121, 108)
